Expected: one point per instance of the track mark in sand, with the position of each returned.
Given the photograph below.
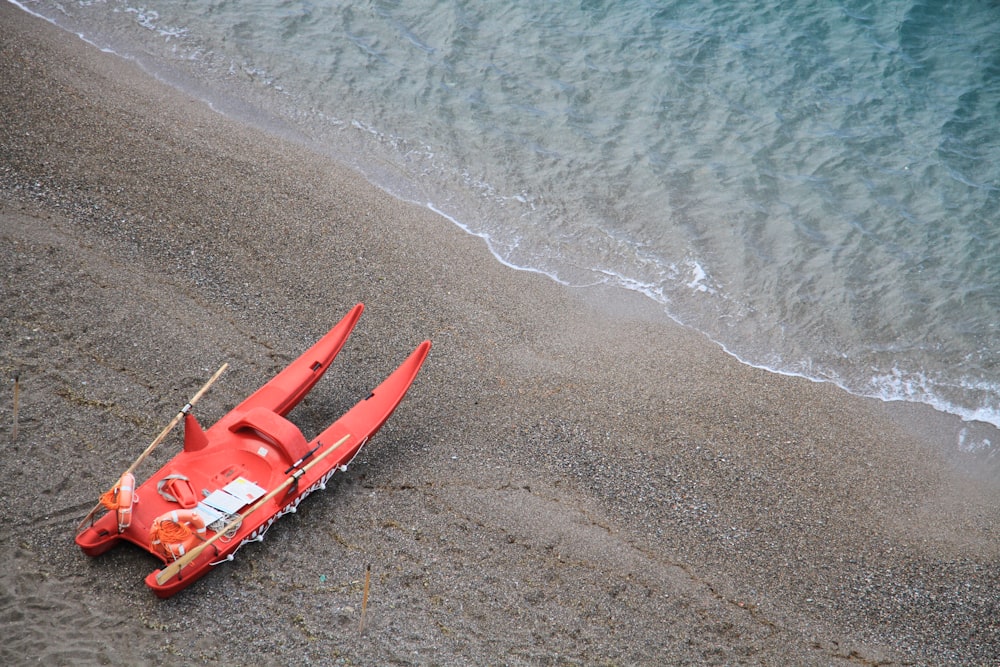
(57, 516)
(562, 543)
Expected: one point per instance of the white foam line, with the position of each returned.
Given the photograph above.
(64, 29)
(489, 244)
(927, 398)
(151, 72)
(880, 393)
(965, 414)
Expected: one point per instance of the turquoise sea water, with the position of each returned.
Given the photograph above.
(814, 185)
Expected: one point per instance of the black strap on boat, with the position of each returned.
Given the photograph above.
(304, 457)
(298, 473)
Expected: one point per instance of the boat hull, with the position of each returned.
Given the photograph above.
(254, 446)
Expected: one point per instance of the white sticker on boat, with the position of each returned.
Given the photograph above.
(244, 489)
(209, 513)
(224, 502)
(262, 452)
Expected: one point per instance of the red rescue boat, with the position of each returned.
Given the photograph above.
(235, 479)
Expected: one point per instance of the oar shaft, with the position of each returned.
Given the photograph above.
(163, 434)
(174, 568)
(179, 416)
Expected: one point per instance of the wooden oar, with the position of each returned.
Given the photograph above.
(364, 598)
(174, 568)
(163, 434)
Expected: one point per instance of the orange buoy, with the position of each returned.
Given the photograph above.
(175, 533)
(120, 500)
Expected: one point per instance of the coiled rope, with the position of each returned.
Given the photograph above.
(110, 500)
(171, 532)
(224, 521)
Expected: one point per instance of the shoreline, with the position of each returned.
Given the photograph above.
(573, 476)
(225, 99)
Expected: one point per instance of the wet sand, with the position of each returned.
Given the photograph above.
(573, 479)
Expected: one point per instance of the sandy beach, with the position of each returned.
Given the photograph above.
(573, 479)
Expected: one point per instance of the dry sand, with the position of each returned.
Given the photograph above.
(573, 479)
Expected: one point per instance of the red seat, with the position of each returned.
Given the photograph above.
(275, 430)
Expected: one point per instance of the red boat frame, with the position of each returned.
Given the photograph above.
(257, 443)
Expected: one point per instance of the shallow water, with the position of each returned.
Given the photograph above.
(813, 185)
